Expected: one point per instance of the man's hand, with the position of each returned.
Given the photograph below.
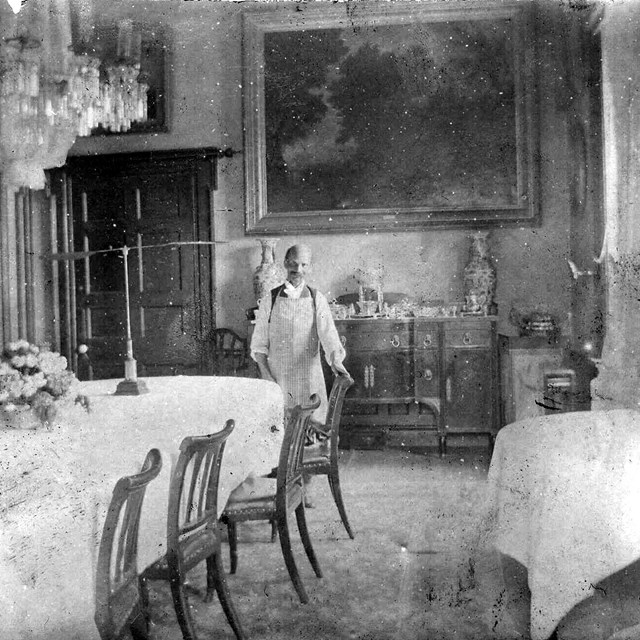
(263, 366)
(338, 369)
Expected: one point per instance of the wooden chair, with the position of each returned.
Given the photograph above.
(120, 605)
(230, 353)
(322, 460)
(193, 532)
(263, 498)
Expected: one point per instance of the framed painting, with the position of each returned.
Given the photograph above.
(387, 116)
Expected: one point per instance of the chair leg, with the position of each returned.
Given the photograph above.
(274, 530)
(306, 540)
(181, 605)
(233, 545)
(334, 484)
(139, 627)
(285, 543)
(211, 582)
(215, 574)
(144, 597)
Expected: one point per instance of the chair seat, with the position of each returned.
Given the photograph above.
(253, 489)
(317, 458)
(256, 495)
(203, 544)
(321, 463)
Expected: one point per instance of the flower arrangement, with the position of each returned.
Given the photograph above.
(33, 378)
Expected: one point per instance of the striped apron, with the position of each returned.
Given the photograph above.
(294, 352)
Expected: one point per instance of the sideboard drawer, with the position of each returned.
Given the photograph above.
(463, 337)
(427, 336)
(376, 341)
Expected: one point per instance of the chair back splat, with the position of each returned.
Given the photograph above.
(262, 498)
(289, 483)
(316, 462)
(120, 606)
(193, 498)
(193, 533)
(341, 385)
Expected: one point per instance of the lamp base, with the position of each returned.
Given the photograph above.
(131, 388)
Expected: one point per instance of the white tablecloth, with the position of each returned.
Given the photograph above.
(565, 502)
(55, 487)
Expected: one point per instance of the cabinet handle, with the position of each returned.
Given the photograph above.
(372, 378)
(366, 376)
(428, 374)
(466, 339)
(396, 341)
(428, 340)
(343, 340)
(448, 389)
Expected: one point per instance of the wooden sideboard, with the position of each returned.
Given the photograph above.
(421, 378)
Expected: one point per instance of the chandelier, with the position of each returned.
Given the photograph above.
(85, 94)
(50, 94)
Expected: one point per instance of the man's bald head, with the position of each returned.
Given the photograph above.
(298, 251)
(297, 262)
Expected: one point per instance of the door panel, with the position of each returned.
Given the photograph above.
(152, 203)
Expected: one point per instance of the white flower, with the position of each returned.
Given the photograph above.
(51, 362)
(31, 360)
(18, 361)
(6, 369)
(39, 380)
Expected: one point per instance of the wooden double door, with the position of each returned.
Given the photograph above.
(159, 206)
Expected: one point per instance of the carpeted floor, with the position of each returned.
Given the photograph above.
(417, 570)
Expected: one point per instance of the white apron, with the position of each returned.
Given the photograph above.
(294, 352)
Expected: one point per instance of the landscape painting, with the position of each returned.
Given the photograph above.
(392, 123)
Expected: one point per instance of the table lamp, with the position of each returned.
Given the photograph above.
(131, 385)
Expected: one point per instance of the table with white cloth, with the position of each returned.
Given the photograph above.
(56, 485)
(564, 494)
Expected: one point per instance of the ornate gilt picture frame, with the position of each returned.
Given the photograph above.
(388, 116)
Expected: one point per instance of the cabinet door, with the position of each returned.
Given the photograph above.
(390, 375)
(427, 369)
(427, 376)
(357, 364)
(381, 375)
(469, 390)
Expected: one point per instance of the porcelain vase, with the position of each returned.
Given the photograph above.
(479, 278)
(268, 274)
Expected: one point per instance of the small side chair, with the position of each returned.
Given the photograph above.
(193, 532)
(230, 353)
(120, 604)
(322, 460)
(264, 498)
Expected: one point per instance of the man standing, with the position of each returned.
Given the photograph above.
(291, 324)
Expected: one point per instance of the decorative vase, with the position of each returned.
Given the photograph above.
(268, 274)
(479, 278)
